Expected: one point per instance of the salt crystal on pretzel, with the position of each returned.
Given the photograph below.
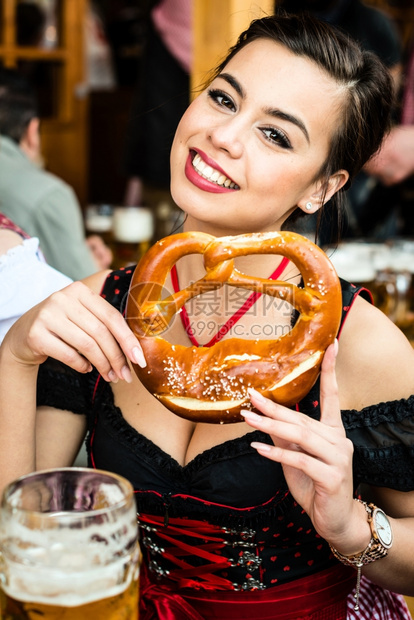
(210, 384)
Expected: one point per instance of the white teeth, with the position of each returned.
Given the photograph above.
(212, 175)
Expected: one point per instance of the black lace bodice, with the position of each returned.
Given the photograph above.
(231, 485)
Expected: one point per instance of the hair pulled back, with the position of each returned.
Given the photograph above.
(368, 88)
(18, 104)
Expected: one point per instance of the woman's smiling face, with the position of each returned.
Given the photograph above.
(248, 149)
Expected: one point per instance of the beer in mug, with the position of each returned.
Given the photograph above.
(69, 547)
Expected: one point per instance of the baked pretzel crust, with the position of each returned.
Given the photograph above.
(209, 384)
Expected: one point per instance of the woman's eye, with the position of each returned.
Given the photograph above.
(277, 136)
(221, 98)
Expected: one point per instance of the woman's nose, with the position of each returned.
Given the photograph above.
(226, 136)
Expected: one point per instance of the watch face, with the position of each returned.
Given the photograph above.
(383, 528)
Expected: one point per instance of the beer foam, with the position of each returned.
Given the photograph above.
(111, 493)
(65, 548)
(50, 586)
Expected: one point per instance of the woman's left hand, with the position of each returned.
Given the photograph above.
(316, 457)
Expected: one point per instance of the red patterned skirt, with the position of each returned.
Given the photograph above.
(322, 596)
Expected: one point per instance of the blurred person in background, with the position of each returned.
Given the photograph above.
(393, 166)
(25, 277)
(39, 202)
(161, 97)
(395, 162)
(369, 211)
(372, 28)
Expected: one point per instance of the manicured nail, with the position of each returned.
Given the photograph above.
(261, 447)
(256, 395)
(126, 374)
(250, 415)
(139, 357)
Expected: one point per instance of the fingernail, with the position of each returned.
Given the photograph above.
(126, 374)
(138, 356)
(112, 377)
(336, 346)
(256, 395)
(251, 415)
(261, 447)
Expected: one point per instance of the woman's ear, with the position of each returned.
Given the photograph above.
(323, 192)
(30, 141)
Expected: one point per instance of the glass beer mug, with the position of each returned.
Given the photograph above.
(69, 547)
(133, 229)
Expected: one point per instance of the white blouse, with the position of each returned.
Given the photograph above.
(25, 280)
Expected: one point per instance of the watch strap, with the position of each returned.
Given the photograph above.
(375, 550)
(372, 552)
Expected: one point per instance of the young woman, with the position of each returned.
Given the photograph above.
(257, 519)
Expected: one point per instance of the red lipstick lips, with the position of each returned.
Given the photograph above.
(201, 182)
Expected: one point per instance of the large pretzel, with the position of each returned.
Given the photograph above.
(209, 384)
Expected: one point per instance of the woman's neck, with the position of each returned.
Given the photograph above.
(192, 224)
(254, 264)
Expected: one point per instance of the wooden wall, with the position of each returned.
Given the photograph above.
(217, 23)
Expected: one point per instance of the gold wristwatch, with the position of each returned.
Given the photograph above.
(379, 544)
(377, 548)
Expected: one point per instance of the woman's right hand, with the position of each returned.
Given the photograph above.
(79, 328)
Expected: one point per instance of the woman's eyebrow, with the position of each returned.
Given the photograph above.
(230, 79)
(233, 82)
(290, 118)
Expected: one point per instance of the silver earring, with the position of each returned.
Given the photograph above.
(308, 206)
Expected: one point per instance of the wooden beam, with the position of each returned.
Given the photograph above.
(217, 24)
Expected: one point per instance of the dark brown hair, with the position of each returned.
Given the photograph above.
(18, 105)
(368, 90)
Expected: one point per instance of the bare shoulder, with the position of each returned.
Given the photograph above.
(375, 359)
(96, 281)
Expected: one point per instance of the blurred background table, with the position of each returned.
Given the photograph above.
(387, 270)
(128, 231)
